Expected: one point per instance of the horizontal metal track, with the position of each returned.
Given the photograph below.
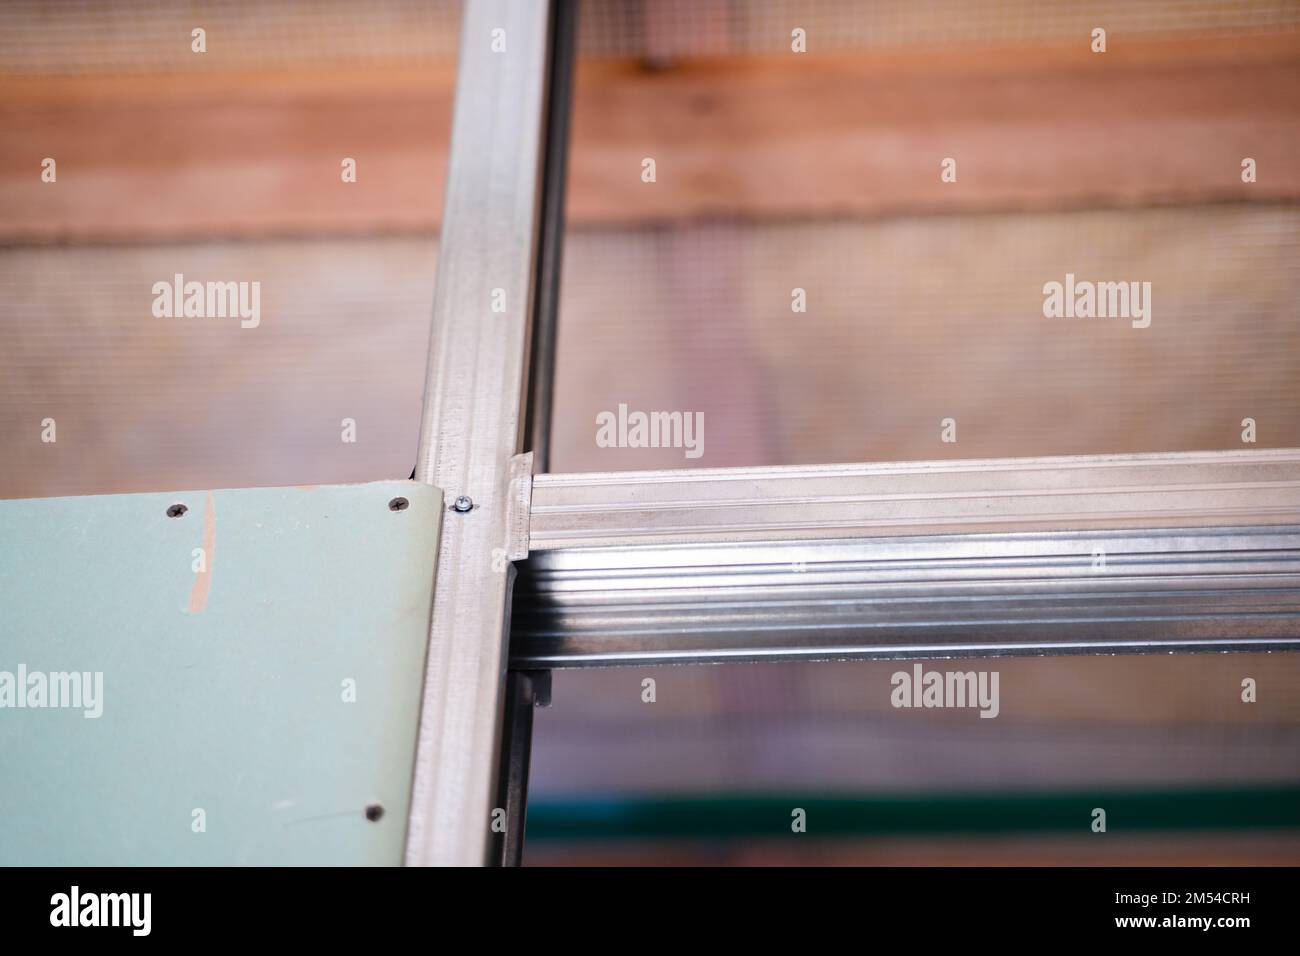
(1030, 556)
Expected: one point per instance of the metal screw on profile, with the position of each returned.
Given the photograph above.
(462, 504)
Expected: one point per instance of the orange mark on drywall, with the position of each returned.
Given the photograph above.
(203, 579)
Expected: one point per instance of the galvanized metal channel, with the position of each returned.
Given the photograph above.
(1106, 554)
(471, 429)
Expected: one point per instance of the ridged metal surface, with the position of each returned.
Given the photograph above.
(471, 430)
(1037, 556)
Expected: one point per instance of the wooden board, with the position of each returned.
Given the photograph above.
(862, 134)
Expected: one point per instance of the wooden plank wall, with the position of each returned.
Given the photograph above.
(838, 134)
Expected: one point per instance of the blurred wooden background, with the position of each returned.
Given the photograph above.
(775, 171)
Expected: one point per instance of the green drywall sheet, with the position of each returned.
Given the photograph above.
(224, 690)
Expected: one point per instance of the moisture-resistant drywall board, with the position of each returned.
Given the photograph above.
(243, 677)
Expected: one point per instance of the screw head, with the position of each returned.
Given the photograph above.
(462, 504)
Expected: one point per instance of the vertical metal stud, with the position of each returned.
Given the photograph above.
(475, 388)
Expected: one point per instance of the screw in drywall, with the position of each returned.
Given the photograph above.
(462, 504)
